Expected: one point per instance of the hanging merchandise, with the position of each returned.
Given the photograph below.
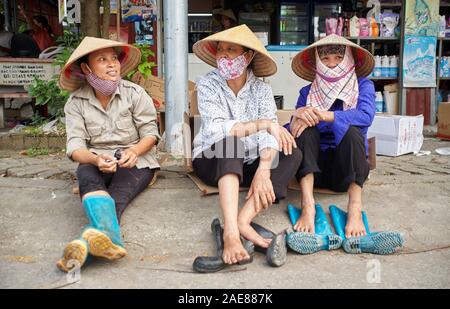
(447, 28)
(133, 10)
(373, 17)
(444, 67)
(331, 25)
(340, 26)
(145, 31)
(422, 17)
(316, 28)
(346, 27)
(364, 27)
(374, 29)
(375, 11)
(419, 61)
(389, 22)
(354, 26)
(442, 24)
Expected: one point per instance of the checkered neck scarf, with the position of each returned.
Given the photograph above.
(332, 84)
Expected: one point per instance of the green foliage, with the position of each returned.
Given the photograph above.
(41, 151)
(48, 92)
(147, 61)
(69, 41)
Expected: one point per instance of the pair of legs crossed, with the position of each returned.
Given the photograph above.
(223, 166)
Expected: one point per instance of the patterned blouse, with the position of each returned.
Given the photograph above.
(220, 109)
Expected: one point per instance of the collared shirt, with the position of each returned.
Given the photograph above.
(331, 134)
(220, 109)
(129, 117)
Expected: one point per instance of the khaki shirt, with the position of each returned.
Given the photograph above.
(129, 117)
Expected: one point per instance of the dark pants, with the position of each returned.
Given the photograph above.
(337, 168)
(123, 185)
(229, 159)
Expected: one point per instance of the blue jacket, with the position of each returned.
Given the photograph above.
(331, 133)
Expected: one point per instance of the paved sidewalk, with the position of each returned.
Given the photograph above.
(168, 225)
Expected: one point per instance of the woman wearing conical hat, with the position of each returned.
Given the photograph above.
(239, 139)
(111, 130)
(227, 19)
(330, 125)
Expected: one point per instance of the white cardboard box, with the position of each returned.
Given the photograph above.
(397, 135)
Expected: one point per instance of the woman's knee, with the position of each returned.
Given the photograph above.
(89, 179)
(310, 134)
(353, 135)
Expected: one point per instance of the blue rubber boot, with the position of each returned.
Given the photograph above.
(373, 242)
(103, 231)
(307, 243)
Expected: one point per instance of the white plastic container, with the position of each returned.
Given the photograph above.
(377, 68)
(393, 66)
(385, 66)
(379, 102)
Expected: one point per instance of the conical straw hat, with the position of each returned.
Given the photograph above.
(262, 64)
(228, 13)
(71, 77)
(304, 63)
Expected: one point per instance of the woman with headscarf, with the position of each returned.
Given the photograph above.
(330, 125)
(111, 132)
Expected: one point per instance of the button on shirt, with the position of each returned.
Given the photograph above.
(129, 117)
(220, 109)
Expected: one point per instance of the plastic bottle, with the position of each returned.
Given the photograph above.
(377, 69)
(374, 29)
(379, 103)
(393, 66)
(316, 28)
(385, 66)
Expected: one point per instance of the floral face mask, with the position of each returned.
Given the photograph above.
(232, 68)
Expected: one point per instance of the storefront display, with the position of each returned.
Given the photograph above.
(419, 62)
(137, 10)
(422, 17)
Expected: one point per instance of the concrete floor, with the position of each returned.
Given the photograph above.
(168, 225)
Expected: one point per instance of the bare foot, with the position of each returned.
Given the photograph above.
(233, 251)
(355, 226)
(306, 221)
(250, 234)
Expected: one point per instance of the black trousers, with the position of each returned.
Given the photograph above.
(337, 168)
(123, 185)
(227, 157)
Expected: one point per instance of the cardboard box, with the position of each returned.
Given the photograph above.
(397, 135)
(155, 88)
(444, 120)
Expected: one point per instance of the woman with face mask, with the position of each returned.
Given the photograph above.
(111, 132)
(240, 142)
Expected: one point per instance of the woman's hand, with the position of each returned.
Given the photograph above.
(309, 115)
(106, 163)
(286, 141)
(297, 127)
(261, 190)
(128, 159)
(284, 138)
